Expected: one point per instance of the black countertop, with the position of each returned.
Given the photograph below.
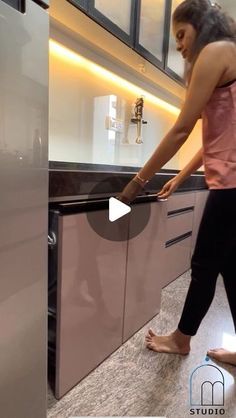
(77, 182)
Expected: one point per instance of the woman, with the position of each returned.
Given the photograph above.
(206, 38)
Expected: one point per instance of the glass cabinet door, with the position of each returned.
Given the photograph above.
(175, 61)
(116, 16)
(150, 30)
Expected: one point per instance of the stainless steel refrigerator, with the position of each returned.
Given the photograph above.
(23, 207)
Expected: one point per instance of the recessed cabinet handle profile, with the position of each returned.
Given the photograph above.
(180, 211)
(178, 239)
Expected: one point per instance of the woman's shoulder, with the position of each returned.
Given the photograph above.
(211, 57)
(219, 55)
(219, 47)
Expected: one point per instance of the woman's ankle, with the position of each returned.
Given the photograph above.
(181, 338)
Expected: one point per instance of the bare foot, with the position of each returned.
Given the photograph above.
(223, 355)
(175, 343)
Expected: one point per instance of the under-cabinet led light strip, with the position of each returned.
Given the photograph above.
(66, 53)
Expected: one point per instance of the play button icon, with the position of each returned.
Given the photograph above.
(106, 215)
(117, 209)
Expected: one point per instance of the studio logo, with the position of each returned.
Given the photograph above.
(207, 391)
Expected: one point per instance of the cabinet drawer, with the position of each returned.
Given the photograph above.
(180, 201)
(178, 225)
(177, 260)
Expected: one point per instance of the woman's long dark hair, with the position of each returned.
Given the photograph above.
(210, 22)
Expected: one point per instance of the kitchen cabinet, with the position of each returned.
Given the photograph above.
(144, 25)
(144, 269)
(150, 30)
(117, 17)
(86, 304)
(105, 290)
(179, 224)
(175, 64)
(177, 258)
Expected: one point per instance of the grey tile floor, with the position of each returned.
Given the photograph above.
(135, 381)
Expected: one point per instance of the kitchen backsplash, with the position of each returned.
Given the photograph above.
(93, 118)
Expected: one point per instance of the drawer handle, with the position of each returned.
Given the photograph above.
(178, 239)
(180, 211)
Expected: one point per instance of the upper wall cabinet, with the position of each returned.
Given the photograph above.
(82, 4)
(144, 25)
(175, 62)
(118, 16)
(150, 30)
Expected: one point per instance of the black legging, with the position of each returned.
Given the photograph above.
(215, 252)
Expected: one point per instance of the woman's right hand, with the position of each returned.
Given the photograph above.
(130, 192)
(168, 188)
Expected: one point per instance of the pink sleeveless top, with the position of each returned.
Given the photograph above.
(219, 138)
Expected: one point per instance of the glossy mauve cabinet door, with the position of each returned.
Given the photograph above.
(178, 201)
(178, 247)
(144, 269)
(177, 260)
(90, 297)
